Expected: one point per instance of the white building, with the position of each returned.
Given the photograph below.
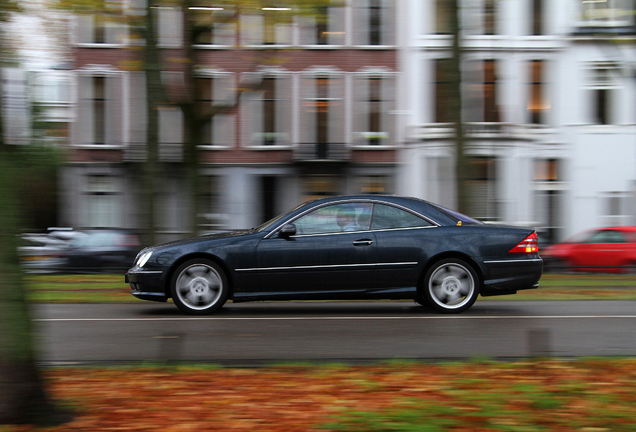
(548, 93)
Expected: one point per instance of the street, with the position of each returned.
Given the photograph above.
(256, 333)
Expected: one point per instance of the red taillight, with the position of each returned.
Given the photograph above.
(529, 244)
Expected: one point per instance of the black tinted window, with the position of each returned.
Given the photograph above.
(387, 217)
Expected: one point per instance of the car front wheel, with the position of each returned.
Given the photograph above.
(451, 286)
(199, 287)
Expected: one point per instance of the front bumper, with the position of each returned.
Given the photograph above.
(146, 284)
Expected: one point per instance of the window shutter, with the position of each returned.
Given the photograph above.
(85, 29)
(361, 109)
(113, 108)
(388, 23)
(251, 30)
(309, 108)
(361, 22)
(251, 114)
(170, 134)
(170, 27)
(84, 123)
(336, 109)
(283, 109)
(138, 115)
(388, 105)
(224, 124)
(307, 30)
(336, 26)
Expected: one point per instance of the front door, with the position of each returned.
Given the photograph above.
(333, 250)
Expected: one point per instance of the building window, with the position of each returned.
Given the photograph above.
(212, 216)
(322, 116)
(213, 25)
(321, 186)
(548, 196)
(103, 202)
(491, 108)
(268, 197)
(216, 92)
(266, 111)
(538, 104)
(374, 103)
(443, 91)
(443, 17)
(270, 26)
(325, 27)
(602, 84)
(537, 17)
(373, 22)
(490, 17)
(607, 13)
(618, 208)
(373, 184)
(99, 118)
(104, 27)
(483, 188)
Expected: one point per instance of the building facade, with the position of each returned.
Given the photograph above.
(322, 120)
(354, 99)
(548, 94)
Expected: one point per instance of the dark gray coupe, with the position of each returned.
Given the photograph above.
(351, 247)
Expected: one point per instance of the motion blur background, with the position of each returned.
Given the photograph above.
(262, 105)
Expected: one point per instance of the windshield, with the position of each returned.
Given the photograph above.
(267, 225)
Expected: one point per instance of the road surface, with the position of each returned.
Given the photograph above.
(257, 333)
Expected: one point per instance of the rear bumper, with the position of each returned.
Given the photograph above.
(509, 276)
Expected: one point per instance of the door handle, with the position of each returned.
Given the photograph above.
(363, 242)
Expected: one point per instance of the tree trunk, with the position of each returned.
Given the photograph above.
(22, 396)
(152, 66)
(462, 167)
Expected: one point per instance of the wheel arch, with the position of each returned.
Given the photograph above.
(451, 254)
(196, 255)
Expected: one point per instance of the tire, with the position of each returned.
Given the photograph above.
(450, 286)
(199, 287)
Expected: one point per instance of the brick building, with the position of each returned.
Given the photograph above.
(322, 122)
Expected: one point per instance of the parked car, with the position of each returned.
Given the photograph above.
(41, 253)
(398, 248)
(102, 251)
(611, 249)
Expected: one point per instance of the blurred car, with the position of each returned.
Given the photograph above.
(355, 247)
(101, 251)
(611, 249)
(41, 253)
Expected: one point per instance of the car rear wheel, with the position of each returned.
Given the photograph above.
(451, 286)
(199, 287)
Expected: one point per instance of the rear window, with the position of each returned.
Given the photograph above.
(457, 216)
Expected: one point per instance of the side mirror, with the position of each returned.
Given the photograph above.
(287, 231)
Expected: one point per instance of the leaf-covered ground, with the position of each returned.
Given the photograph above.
(590, 395)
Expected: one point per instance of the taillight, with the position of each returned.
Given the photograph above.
(529, 244)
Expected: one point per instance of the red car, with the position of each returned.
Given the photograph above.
(611, 249)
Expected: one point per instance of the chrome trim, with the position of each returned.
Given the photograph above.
(325, 266)
(345, 201)
(513, 261)
(145, 272)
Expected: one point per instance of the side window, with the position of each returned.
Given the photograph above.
(607, 236)
(336, 218)
(387, 217)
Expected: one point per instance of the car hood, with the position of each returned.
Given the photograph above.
(201, 238)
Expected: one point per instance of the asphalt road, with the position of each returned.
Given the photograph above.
(256, 333)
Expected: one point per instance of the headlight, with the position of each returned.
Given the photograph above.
(143, 259)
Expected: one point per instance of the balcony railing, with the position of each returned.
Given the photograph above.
(316, 152)
(480, 130)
